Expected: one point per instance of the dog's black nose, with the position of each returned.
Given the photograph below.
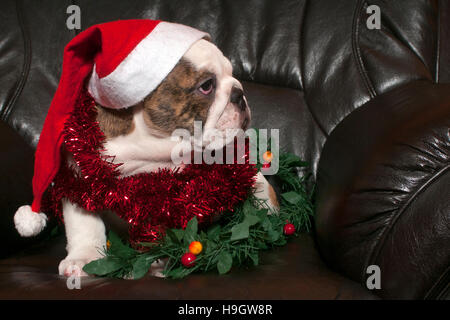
(237, 97)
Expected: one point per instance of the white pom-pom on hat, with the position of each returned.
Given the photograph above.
(29, 223)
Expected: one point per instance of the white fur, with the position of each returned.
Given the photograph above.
(29, 223)
(262, 188)
(206, 56)
(86, 238)
(144, 150)
(141, 150)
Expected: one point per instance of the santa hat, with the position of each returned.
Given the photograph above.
(125, 60)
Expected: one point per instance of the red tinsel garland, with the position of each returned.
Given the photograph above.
(149, 202)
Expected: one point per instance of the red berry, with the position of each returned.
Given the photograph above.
(188, 260)
(289, 229)
(266, 165)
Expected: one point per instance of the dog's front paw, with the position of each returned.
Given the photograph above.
(272, 202)
(265, 192)
(73, 264)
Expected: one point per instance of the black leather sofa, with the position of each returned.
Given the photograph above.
(368, 109)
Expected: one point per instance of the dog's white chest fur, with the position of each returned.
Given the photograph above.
(140, 151)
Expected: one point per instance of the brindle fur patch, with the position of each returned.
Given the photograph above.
(273, 197)
(177, 103)
(114, 123)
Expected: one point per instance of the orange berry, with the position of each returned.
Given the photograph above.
(268, 156)
(195, 247)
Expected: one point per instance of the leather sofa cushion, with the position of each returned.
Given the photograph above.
(383, 192)
(291, 272)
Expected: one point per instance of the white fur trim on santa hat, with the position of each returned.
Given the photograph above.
(29, 223)
(145, 67)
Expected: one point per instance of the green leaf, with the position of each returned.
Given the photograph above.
(179, 233)
(141, 266)
(192, 226)
(103, 266)
(251, 219)
(191, 230)
(248, 207)
(118, 248)
(177, 273)
(239, 232)
(261, 213)
(210, 246)
(214, 232)
(292, 197)
(281, 241)
(266, 224)
(274, 235)
(176, 235)
(224, 263)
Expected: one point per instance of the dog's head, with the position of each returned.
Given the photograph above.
(200, 88)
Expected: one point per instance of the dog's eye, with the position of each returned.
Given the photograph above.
(207, 87)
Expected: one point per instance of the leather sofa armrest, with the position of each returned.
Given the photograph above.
(16, 172)
(383, 192)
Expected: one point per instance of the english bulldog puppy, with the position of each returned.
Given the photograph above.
(201, 87)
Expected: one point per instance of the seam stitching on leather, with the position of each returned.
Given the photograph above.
(438, 44)
(313, 115)
(401, 40)
(25, 66)
(373, 257)
(300, 49)
(357, 50)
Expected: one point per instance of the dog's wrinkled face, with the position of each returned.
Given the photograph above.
(201, 87)
(183, 97)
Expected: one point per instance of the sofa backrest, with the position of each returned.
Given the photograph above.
(346, 64)
(261, 38)
(321, 47)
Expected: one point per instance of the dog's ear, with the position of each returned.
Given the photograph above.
(114, 123)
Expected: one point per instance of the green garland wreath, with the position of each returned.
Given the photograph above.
(235, 240)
